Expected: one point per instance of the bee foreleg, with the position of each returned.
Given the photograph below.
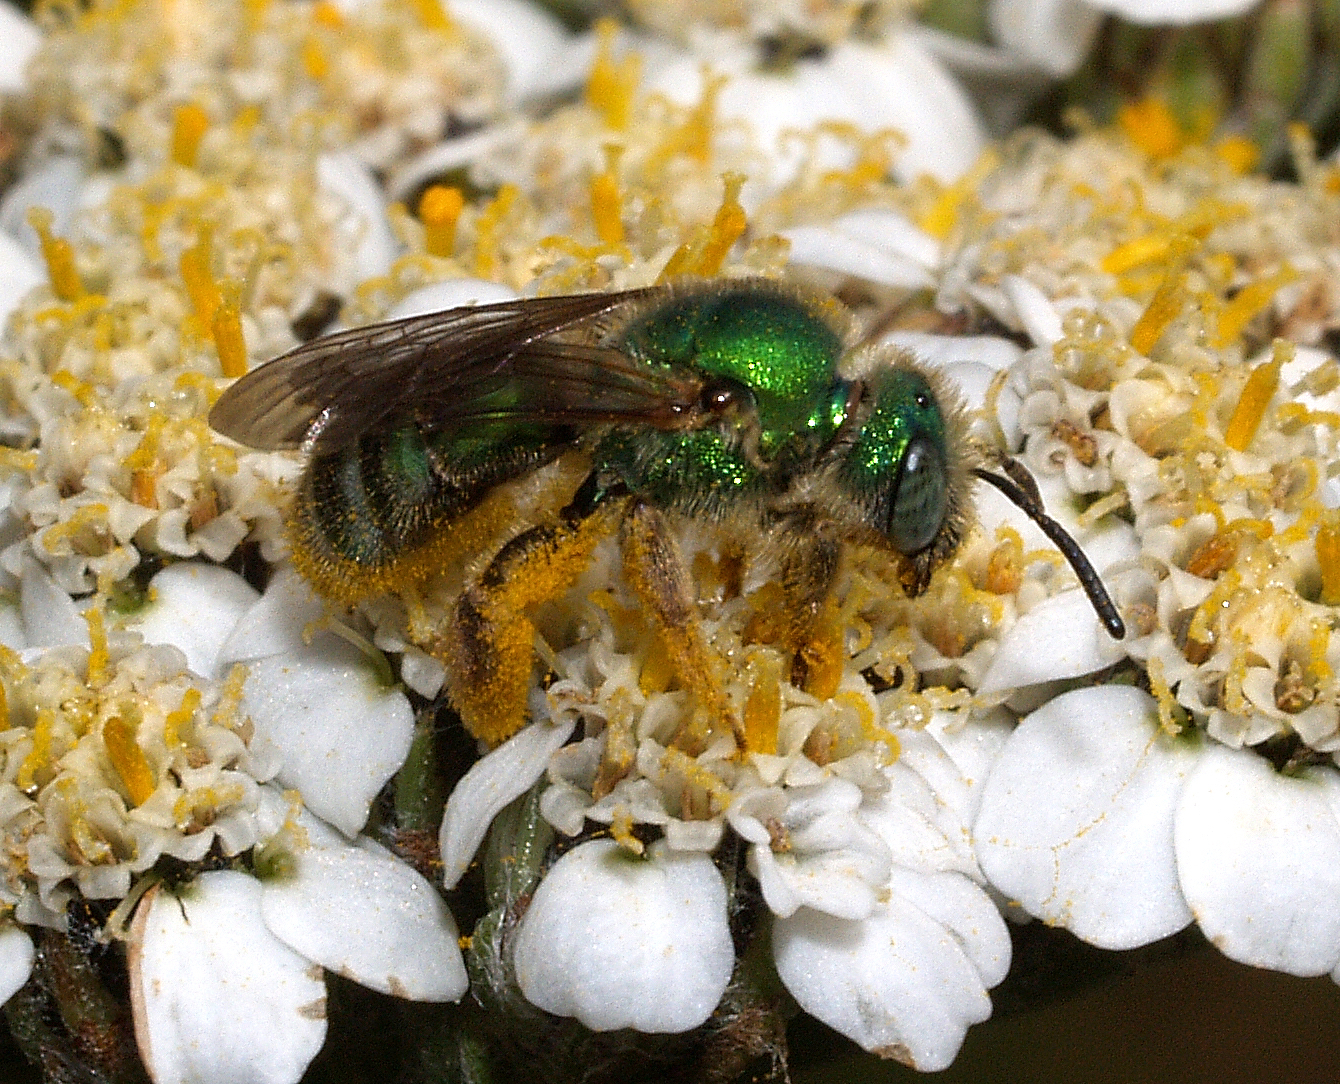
(656, 573)
(490, 646)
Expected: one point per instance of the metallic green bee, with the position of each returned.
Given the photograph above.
(735, 401)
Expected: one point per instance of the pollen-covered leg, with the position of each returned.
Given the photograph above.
(656, 573)
(808, 567)
(490, 647)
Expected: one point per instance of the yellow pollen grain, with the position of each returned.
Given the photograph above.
(1247, 303)
(657, 672)
(1256, 395)
(189, 124)
(1169, 300)
(118, 735)
(439, 210)
(1328, 560)
(225, 328)
(606, 199)
(763, 706)
(612, 85)
(58, 254)
(1151, 126)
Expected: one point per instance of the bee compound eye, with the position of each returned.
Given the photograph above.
(920, 497)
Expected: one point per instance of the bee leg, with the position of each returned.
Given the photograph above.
(809, 565)
(656, 573)
(489, 649)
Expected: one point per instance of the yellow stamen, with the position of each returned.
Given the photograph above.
(1142, 250)
(327, 14)
(1151, 126)
(1255, 397)
(943, 215)
(118, 735)
(314, 60)
(1247, 303)
(439, 209)
(189, 123)
(59, 256)
(99, 659)
(763, 707)
(226, 329)
(198, 275)
(703, 255)
(1169, 300)
(611, 88)
(174, 726)
(431, 14)
(487, 253)
(606, 200)
(1239, 152)
(1328, 559)
(1158, 685)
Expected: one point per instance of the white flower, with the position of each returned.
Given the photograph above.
(1096, 819)
(625, 941)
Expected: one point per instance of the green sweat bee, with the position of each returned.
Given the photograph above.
(730, 401)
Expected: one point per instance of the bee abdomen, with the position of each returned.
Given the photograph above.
(376, 514)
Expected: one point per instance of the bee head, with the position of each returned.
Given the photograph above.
(903, 466)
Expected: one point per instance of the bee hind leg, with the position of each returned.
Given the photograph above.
(489, 648)
(809, 565)
(656, 573)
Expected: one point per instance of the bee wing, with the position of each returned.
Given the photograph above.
(483, 362)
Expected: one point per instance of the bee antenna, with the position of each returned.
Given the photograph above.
(1023, 491)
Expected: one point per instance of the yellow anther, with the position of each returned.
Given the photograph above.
(1255, 397)
(606, 200)
(1158, 685)
(704, 255)
(1328, 560)
(439, 210)
(763, 707)
(99, 659)
(621, 828)
(1250, 300)
(1142, 250)
(432, 15)
(1169, 300)
(198, 275)
(1151, 126)
(59, 256)
(612, 86)
(943, 215)
(225, 327)
(118, 735)
(327, 14)
(1239, 152)
(314, 60)
(82, 390)
(189, 123)
(487, 254)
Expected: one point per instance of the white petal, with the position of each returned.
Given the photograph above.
(1259, 858)
(1061, 637)
(276, 622)
(449, 294)
(1038, 316)
(19, 271)
(897, 982)
(367, 233)
(16, 960)
(55, 185)
(359, 910)
(193, 606)
(1076, 821)
(493, 782)
(834, 250)
(19, 40)
(341, 734)
(50, 617)
(966, 911)
(215, 996)
(625, 942)
(1053, 34)
(1174, 12)
(541, 56)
